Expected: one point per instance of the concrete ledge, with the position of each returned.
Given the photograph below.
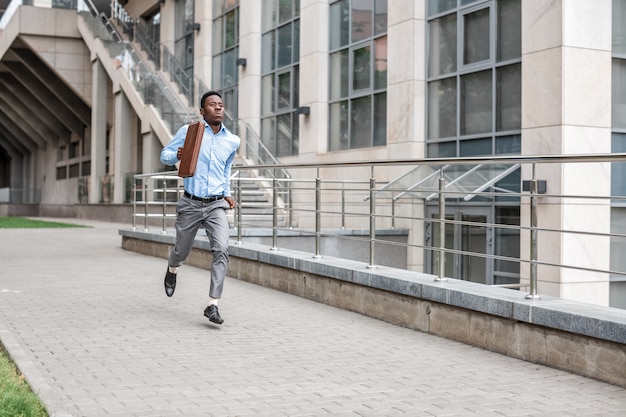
(580, 338)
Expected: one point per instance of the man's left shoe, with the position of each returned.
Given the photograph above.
(212, 313)
(170, 283)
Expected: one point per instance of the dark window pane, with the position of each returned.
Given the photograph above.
(442, 150)
(284, 46)
(618, 94)
(217, 72)
(338, 126)
(284, 90)
(442, 50)
(509, 145)
(476, 37)
(476, 98)
(509, 98)
(361, 69)
(476, 147)
(339, 24)
(268, 58)
(618, 169)
(380, 63)
(619, 28)
(295, 134)
(439, 6)
(296, 42)
(268, 135)
(230, 36)
(283, 135)
(442, 108)
(361, 20)
(217, 35)
(509, 29)
(269, 15)
(296, 86)
(380, 17)
(361, 123)
(285, 10)
(339, 74)
(231, 74)
(380, 119)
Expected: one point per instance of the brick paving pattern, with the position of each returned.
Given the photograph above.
(90, 326)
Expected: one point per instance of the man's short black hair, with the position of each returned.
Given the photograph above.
(208, 94)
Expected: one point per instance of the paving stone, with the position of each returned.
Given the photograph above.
(91, 328)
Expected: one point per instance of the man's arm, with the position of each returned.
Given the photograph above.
(170, 154)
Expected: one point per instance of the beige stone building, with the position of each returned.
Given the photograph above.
(89, 99)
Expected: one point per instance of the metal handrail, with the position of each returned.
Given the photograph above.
(320, 198)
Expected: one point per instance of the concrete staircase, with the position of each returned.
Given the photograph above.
(255, 202)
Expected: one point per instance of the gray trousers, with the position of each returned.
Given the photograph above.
(190, 215)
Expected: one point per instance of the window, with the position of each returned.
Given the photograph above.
(474, 77)
(182, 69)
(358, 74)
(280, 76)
(225, 54)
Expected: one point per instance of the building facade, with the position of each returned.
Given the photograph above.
(337, 80)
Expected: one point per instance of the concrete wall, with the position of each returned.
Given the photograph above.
(580, 338)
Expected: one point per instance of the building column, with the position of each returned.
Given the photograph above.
(566, 102)
(123, 141)
(151, 153)
(98, 130)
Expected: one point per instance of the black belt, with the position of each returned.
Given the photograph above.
(204, 199)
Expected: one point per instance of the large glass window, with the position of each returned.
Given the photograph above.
(280, 76)
(358, 74)
(225, 54)
(474, 77)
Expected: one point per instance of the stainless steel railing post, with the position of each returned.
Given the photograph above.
(274, 212)
(533, 237)
(442, 229)
(164, 209)
(318, 208)
(343, 205)
(372, 218)
(238, 210)
(134, 221)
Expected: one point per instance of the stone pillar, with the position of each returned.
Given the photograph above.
(151, 153)
(98, 130)
(250, 75)
(123, 142)
(406, 89)
(566, 102)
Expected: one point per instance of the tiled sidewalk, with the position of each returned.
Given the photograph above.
(90, 326)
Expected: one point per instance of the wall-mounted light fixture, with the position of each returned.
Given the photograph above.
(241, 62)
(306, 110)
(195, 26)
(542, 186)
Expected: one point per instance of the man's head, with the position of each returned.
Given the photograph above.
(212, 108)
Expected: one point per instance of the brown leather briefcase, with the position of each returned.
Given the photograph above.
(191, 150)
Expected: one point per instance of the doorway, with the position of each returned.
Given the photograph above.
(468, 240)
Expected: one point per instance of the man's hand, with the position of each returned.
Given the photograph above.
(179, 153)
(231, 202)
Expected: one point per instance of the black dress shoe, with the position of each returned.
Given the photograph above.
(213, 314)
(170, 283)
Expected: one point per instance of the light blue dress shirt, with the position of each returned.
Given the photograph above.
(217, 152)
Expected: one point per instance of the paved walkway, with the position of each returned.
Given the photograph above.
(90, 326)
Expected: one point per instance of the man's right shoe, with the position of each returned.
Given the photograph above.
(213, 314)
(170, 283)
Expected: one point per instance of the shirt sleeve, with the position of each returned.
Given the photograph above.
(170, 151)
(227, 170)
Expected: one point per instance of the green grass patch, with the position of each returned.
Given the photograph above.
(16, 397)
(24, 223)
